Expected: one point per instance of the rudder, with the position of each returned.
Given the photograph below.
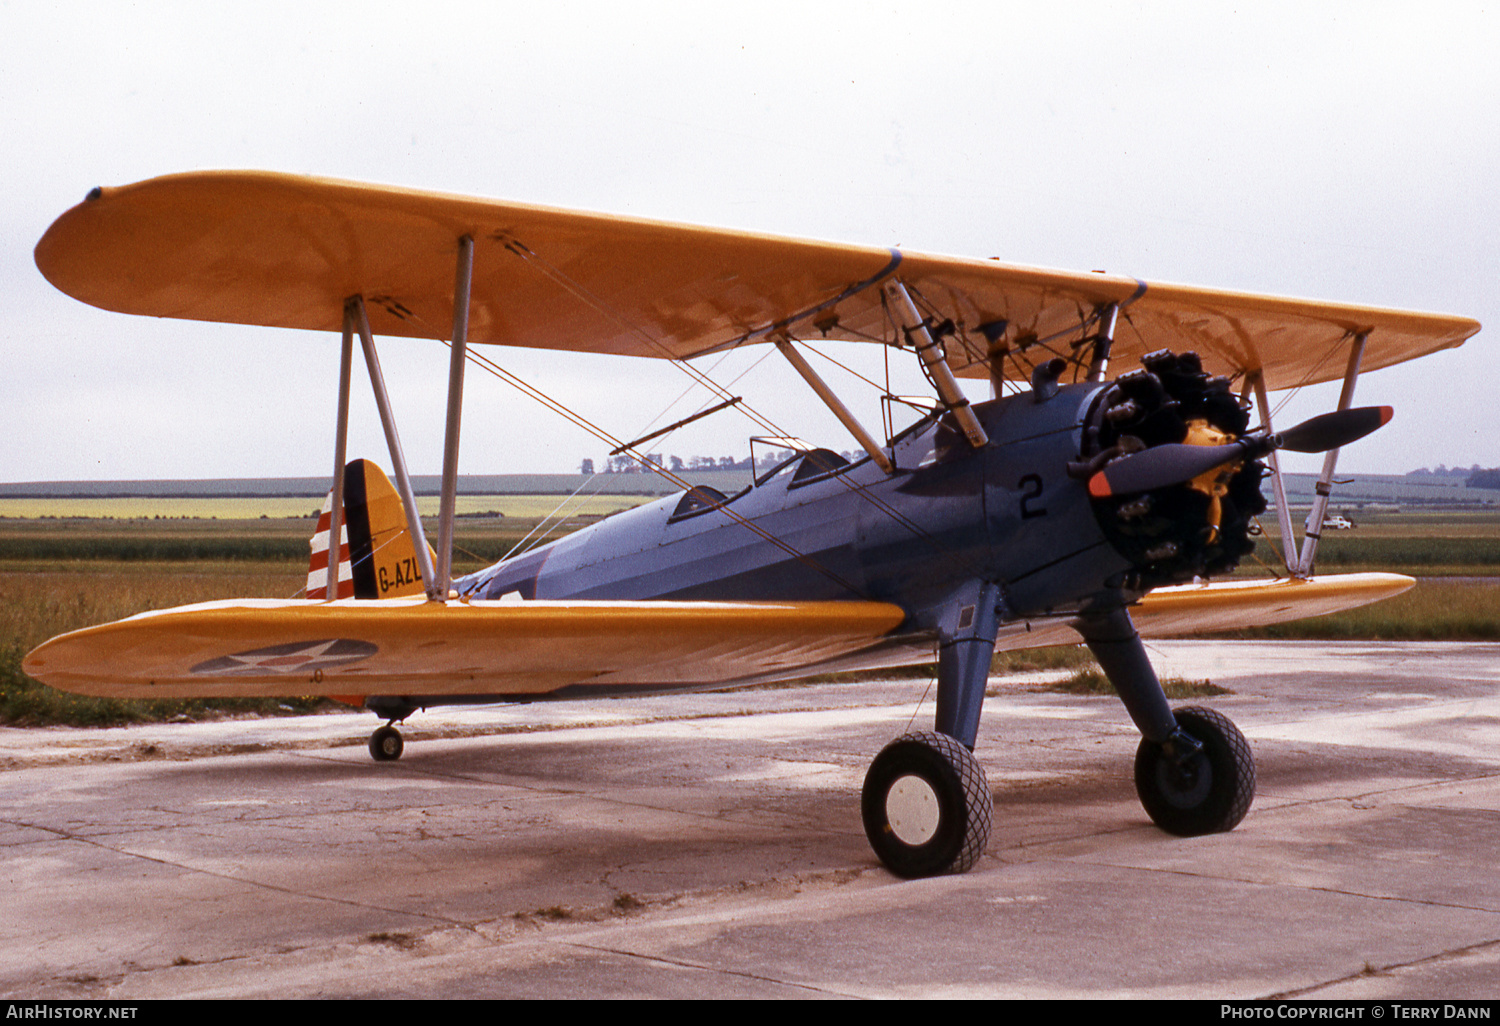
(376, 556)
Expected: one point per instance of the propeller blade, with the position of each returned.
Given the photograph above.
(1162, 466)
(1334, 430)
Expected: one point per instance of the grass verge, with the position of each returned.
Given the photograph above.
(1090, 681)
(37, 605)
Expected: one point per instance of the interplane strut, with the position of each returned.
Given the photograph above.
(1313, 530)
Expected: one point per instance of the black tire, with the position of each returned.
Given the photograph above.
(386, 744)
(1208, 793)
(927, 806)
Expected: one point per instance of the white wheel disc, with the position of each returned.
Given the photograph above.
(911, 808)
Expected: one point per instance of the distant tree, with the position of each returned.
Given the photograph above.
(1484, 478)
(674, 463)
(587, 467)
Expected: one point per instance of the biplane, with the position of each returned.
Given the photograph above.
(1116, 470)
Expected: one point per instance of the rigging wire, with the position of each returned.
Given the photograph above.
(1296, 389)
(559, 277)
(578, 290)
(485, 363)
(514, 548)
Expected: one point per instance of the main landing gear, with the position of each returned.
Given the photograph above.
(926, 804)
(1206, 792)
(1193, 771)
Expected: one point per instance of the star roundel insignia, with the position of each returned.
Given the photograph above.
(297, 657)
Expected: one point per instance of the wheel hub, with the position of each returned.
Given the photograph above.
(1185, 783)
(911, 809)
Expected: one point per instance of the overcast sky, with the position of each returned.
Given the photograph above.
(1339, 151)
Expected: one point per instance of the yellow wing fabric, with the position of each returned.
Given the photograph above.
(287, 251)
(255, 647)
(1232, 605)
(1223, 606)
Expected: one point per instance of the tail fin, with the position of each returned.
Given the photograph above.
(376, 556)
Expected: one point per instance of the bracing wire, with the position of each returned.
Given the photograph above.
(599, 305)
(485, 363)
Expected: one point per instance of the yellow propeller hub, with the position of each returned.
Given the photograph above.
(1213, 483)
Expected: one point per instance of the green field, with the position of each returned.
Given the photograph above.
(57, 575)
(226, 507)
(479, 540)
(1463, 544)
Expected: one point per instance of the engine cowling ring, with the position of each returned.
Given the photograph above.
(1199, 528)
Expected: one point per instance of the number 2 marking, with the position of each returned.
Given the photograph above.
(1031, 486)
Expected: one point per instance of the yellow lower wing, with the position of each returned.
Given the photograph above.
(1224, 606)
(254, 647)
(1232, 605)
(269, 647)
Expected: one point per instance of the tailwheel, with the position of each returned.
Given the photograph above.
(386, 744)
(1207, 792)
(927, 806)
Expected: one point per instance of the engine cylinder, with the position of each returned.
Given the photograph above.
(1200, 528)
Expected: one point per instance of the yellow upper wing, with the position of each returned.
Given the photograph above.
(287, 251)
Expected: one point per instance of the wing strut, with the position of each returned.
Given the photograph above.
(1108, 316)
(1314, 527)
(1300, 565)
(340, 455)
(933, 359)
(1278, 484)
(840, 411)
(393, 442)
(436, 579)
(461, 285)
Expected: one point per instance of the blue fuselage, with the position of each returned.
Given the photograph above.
(1007, 513)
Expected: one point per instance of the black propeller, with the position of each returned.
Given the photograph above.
(1163, 466)
(1334, 430)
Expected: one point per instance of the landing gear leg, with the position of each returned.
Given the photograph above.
(1194, 771)
(926, 804)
